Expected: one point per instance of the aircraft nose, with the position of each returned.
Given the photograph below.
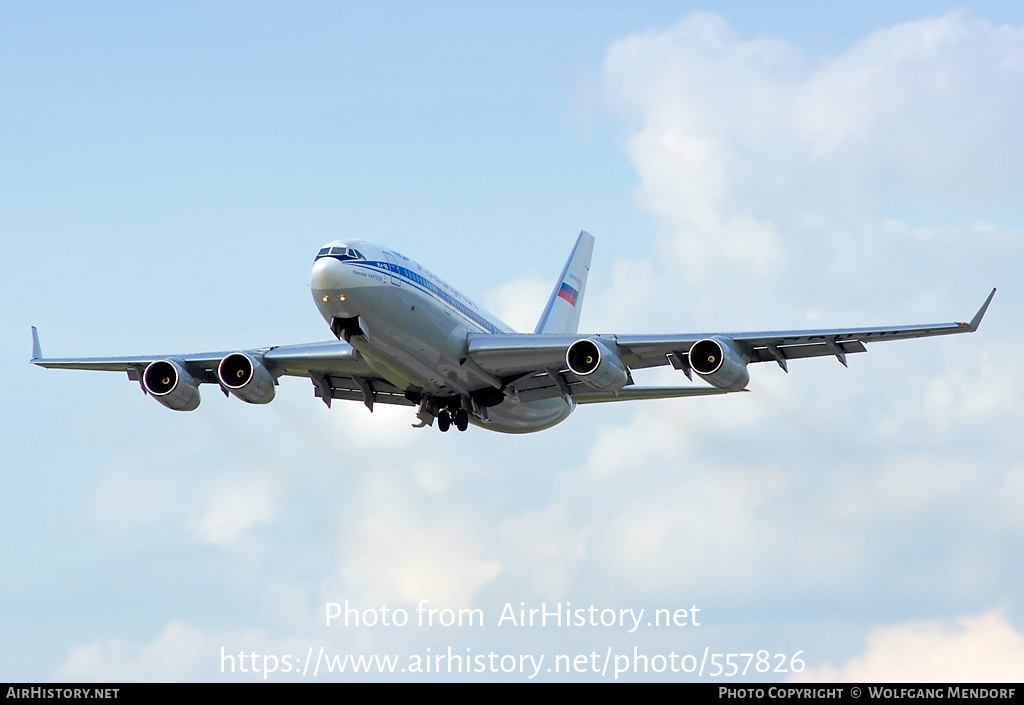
(328, 273)
(329, 284)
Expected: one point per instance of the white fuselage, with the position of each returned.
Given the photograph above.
(413, 330)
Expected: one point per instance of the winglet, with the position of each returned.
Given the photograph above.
(37, 353)
(976, 321)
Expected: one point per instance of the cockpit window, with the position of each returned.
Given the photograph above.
(340, 253)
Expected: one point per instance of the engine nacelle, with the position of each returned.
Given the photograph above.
(171, 385)
(247, 378)
(720, 363)
(596, 365)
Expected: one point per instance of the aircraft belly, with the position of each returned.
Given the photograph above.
(513, 416)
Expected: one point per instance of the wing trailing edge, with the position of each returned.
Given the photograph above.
(592, 396)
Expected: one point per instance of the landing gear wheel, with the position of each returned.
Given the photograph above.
(461, 419)
(444, 421)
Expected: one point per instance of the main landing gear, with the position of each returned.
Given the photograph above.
(448, 412)
(445, 419)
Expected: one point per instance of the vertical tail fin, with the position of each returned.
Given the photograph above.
(562, 313)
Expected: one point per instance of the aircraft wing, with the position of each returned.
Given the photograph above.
(514, 358)
(528, 367)
(336, 370)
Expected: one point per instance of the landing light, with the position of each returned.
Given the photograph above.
(341, 298)
(325, 299)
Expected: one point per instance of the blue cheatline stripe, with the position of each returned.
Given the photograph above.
(428, 287)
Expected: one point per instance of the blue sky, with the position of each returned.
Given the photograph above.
(170, 171)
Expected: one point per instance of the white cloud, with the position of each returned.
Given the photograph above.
(127, 501)
(187, 652)
(402, 563)
(663, 433)
(520, 301)
(546, 547)
(708, 532)
(752, 153)
(362, 430)
(233, 504)
(1011, 497)
(180, 652)
(434, 475)
(979, 391)
(398, 550)
(985, 648)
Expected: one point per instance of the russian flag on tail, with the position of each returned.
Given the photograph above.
(568, 293)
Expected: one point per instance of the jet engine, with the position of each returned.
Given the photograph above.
(596, 365)
(247, 378)
(171, 385)
(720, 363)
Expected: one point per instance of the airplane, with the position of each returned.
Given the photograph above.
(404, 336)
